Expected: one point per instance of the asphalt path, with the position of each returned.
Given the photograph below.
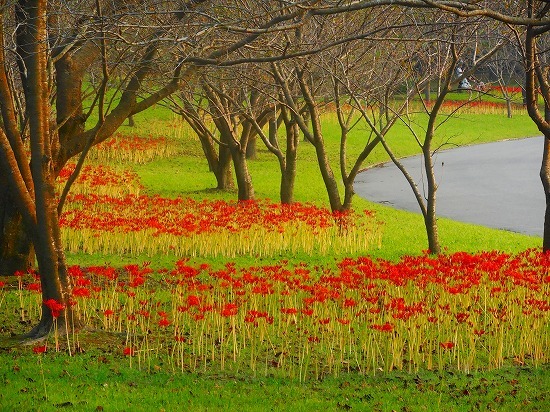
(493, 184)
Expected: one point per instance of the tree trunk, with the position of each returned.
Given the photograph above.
(288, 169)
(251, 148)
(54, 278)
(16, 251)
(42, 220)
(430, 218)
(244, 180)
(430, 221)
(508, 107)
(545, 178)
(223, 172)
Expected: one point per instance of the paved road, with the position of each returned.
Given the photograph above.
(493, 184)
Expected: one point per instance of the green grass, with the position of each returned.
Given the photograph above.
(101, 379)
(95, 381)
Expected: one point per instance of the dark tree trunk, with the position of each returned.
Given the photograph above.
(536, 81)
(16, 251)
(545, 178)
(52, 267)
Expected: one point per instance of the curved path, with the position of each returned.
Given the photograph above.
(493, 184)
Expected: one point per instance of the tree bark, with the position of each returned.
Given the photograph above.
(288, 169)
(37, 204)
(245, 188)
(545, 178)
(16, 250)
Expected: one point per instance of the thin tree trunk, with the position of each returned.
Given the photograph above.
(288, 172)
(430, 217)
(545, 178)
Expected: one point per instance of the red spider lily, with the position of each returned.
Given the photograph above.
(55, 307)
(108, 312)
(128, 351)
(144, 313)
(462, 317)
(34, 287)
(2, 284)
(81, 292)
(99, 175)
(185, 217)
(349, 303)
(400, 302)
(248, 318)
(81, 281)
(40, 349)
(229, 309)
(193, 300)
(386, 327)
(75, 271)
(447, 345)
(307, 312)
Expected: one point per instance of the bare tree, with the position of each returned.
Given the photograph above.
(443, 56)
(193, 108)
(529, 20)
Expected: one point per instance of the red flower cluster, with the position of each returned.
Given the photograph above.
(185, 217)
(40, 349)
(99, 175)
(447, 345)
(416, 303)
(55, 307)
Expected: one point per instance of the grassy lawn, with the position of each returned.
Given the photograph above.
(99, 377)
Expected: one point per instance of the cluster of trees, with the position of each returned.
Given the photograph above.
(240, 73)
